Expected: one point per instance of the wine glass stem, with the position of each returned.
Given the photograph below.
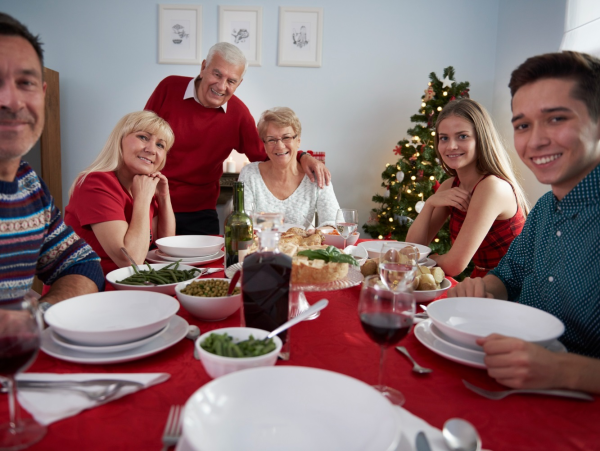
(13, 408)
(381, 358)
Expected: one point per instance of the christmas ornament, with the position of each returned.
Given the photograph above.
(429, 93)
(419, 206)
(387, 193)
(447, 83)
(388, 236)
(420, 174)
(435, 186)
(399, 176)
(372, 219)
(398, 150)
(402, 220)
(437, 160)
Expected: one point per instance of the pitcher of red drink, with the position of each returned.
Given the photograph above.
(266, 276)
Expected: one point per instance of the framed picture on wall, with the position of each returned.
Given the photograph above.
(179, 34)
(242, 27)
(300, 36)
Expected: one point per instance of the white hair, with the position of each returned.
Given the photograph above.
(229, 53)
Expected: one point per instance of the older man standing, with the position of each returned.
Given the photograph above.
(209, 121)
(33, 238)
(553, 264)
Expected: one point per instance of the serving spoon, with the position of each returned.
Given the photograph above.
(135, 266)
(460, 435)
(316, 307)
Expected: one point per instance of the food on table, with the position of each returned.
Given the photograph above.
(223, 345)
(370, 267)
(168, 274)
(300, 237)
(428, 278)
(211, 288)
(320, 264)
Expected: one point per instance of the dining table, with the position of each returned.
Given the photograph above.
(334, 341)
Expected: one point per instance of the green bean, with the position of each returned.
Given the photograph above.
(223, 345)
(167, 275)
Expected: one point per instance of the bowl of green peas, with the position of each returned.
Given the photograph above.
(158, 277)
(207, 298)
(223, 351)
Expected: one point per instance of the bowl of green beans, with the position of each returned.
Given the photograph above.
(207, 298)
(223, 351)
(164, 277)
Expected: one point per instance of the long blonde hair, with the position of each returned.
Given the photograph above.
(111, 155)
(492, 157)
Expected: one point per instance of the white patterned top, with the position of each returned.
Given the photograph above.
(306, 200)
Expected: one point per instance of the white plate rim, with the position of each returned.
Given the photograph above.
(439, 291)
(367, 243)
(170, 258)
(153, 257)
(64, 342)
(176, 331)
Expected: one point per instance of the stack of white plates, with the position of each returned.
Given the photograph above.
(456, 323)
(189, 249)
(112, 327)
(289, 408)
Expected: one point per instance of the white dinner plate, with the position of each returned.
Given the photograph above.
(427, 262)
(154, 257)
(170, 258)
(176, 331)
(104, 349)
(457, 353)
(374, 247)
(289, 408)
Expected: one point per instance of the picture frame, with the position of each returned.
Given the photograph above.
(242, 27)
(179, 34)
(300, 36)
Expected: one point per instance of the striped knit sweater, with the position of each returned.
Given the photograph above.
(35, 241)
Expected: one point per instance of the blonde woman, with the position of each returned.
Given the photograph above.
(482, 198)
(280, 183)
(122, 199)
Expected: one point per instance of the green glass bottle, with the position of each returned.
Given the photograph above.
(239, 235)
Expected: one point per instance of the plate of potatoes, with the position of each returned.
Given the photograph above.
(429, 283)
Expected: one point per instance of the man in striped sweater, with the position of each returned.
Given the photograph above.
(33, 238)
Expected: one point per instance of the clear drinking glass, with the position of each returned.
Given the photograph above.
(386, 317)
(346, 222)
(398, 265)
(19, 344)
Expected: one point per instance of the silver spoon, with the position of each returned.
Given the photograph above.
(460, 435)
(416, 367)
(107, 392)
(193, 333)
(316, 307)
(137, 269)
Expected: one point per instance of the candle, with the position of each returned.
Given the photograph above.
(230, 165)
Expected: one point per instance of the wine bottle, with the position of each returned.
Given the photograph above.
(238, 229)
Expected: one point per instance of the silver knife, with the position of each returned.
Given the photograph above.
(29, 383)
(421, 442)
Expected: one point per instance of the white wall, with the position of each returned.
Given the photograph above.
(525, 28)
(376, 59)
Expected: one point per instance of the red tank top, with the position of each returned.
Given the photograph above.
(496, 242)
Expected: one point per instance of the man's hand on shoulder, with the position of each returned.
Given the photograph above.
(315, 169)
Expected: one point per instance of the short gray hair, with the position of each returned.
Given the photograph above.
(229, 53)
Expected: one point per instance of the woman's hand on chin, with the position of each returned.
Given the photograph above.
(144, 186)
(162, 188)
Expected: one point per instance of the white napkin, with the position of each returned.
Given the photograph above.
(52, 405)
(409, 423)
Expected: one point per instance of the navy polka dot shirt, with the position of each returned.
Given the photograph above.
(554, 264)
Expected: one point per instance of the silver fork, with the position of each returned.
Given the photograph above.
(172, 431)
(504, 393)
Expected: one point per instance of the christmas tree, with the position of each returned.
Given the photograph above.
(417, 173)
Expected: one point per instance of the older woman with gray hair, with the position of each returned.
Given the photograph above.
(280, 184)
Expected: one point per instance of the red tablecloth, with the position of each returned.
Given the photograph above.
(335, 341)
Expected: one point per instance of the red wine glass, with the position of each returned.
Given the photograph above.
(19, 345)
(386, 317)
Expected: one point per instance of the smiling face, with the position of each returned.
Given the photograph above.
(218, 81)
(143, 153)
(457, 143)
(554, 134)
(280, 152)
(22, 94)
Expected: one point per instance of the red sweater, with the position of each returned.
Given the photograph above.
(204, 138)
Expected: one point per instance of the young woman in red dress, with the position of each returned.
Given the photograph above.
(122, 199)
(482, 198)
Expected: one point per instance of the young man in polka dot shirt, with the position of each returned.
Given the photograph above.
(554, 264)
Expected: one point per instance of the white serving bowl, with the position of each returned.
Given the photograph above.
(123, 273)
(360, 253)
(430, 295)
(216, 365)
(208, 308)
(338, 240)
(464, 320)
(190, 245)
(374, 247)
(111, 317)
